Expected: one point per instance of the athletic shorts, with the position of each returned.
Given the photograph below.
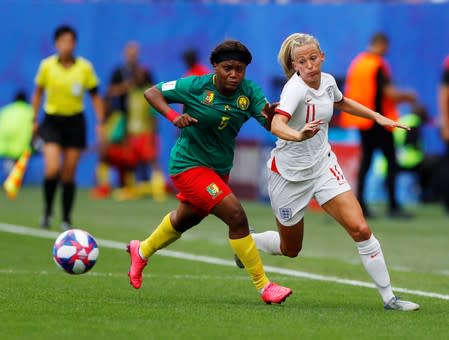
(202, 188)
(290, 199)
(66, 131)
(133, 151)
(144, 146)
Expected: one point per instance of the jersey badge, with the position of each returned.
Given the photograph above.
(213, 190)
(242, 102)
(208, 97)
(330, 92)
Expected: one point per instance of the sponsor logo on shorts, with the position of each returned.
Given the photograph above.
(285, 213)
(213, 190)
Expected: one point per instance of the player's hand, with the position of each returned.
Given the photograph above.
(310, 129)
(384, 121)
(184, 120)
(268, 110)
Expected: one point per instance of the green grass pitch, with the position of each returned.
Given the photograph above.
(186, 298)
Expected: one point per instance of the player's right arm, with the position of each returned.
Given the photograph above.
(290, 98)
(155, 98)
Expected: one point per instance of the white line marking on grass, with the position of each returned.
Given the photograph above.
(121, 275)
(15, 229)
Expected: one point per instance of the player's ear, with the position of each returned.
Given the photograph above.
(322, 57)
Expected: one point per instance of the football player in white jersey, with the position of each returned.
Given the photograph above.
(303, 166)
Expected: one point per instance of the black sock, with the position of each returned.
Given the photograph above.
(68, 196)
(50, 185)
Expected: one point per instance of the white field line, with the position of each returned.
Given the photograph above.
(147, 275)
(15, 229)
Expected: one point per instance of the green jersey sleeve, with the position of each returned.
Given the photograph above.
(176, 91)
(257, 103)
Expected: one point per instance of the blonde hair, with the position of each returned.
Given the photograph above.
(285, 55)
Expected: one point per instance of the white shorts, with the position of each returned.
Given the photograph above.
(290, 199)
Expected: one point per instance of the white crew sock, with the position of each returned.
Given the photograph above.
(374, 263)
(268, 242)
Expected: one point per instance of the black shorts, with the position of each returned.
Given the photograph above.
(67, 131)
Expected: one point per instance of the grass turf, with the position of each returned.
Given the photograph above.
(193, 300)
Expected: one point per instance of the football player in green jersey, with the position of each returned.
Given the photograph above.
(215, 108)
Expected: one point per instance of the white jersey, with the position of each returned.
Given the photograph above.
(298, 161)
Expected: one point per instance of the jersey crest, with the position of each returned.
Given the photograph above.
(243, 102)
(213, 190)
(330, 92)
(208, 97)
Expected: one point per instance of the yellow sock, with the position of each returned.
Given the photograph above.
(103, 174)
(245, 249)
(160, 238)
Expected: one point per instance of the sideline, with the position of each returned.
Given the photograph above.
(48, 234)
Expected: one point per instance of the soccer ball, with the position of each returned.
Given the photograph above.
(75, 251)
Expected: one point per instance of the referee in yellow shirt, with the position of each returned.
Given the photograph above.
(64, 78)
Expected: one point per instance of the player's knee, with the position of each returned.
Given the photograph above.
(52, 173)
(237, 218)
(361, 231)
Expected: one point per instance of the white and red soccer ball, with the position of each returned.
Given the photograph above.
(75, 251)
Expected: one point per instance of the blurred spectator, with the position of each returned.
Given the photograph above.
(16, 126)
(369, 82)
(132, 134)
(443, 101)
(194, 67)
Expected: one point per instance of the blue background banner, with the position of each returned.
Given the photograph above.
(419, 36)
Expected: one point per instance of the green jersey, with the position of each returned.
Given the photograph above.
(211, 141)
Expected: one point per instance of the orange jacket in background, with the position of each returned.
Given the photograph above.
(361, 86)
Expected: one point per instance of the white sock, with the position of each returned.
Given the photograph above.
(374, 263)
(268, 241)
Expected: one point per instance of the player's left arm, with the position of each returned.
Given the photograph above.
(262, 110)
(351, 106)
(268, 112)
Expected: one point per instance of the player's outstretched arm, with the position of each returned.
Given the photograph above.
(357, 109)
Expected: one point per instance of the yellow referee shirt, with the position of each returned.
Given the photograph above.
(65, 87)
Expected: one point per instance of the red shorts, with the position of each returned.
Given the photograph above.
(202, 188)
(136, 149)
(144, 145)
